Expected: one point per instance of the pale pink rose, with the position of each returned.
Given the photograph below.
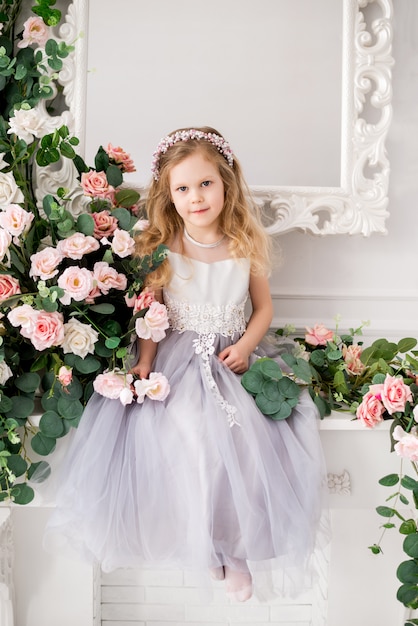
(27, 124)
(95, 184)
(35, 32)
(15, 220)
(112, 384)
(65, 375)
(108, 278)
(9, 286)
(94, 293)
(351, 356)
(407, 446)
(5, 372)
(122, 243)
(5, 241)
(122, 158)
(77, 245)
(370, 412)
(105, 224)
(156, 387)
(154, 323)
(77, 283)
(144, 300)
(23, 316)
(318, 335)
(395, 394)
(126, 396)
(79, 338)
(45, 263)
(141, 225)
(47, 330)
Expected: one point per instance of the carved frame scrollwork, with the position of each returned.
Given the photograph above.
(359, 204)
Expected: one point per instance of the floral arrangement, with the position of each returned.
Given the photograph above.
(372, 384)
(72, 297)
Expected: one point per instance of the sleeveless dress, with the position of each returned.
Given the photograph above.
(202, 479)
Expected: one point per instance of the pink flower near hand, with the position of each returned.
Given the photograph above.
(156, 387)
(35, 32)
(108, 278)
(9, 286)
(77, 245)
(154, 323)
(77, 283)
(318, 335)
(95, 184)
(121, 158)
(407, 446)
(122, 243)
(370, 412)
(15, 220)
(105, 224)
(351, 356)
(114, 385)
(395, 394)
(45, 263)
(144, 300)
(65, 375)
(47, 330)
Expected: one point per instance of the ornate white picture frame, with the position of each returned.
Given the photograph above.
(359, 204)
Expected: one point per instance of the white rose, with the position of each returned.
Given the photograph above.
(27, 124)
(9, 191)
(79, 338)
(5, 241)
(5, 372)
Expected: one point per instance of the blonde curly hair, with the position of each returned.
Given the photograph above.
(240, 218)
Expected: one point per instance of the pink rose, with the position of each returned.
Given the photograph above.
(407, 446)
(318, 335)
(9, 286)
(154, 323)
(105, 224)
(351, 356)
(95, 184)
(122, 243)
(371, 410)
(156, 387)
(77, 245)
(122, 158)
(77, 283)
(47, 330)
(395, 394)
(35, 32)
(15, 220)
(141, 225)
(45, 263)
(143, 301)
(113, 384)
(108, 278)
(65, 375)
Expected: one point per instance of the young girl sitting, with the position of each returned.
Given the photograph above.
(202, 480)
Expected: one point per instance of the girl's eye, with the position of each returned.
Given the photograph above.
(206, 183)
(182, 188)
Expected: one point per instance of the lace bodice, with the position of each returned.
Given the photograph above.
(207, 297)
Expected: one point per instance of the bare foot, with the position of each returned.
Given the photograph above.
(238, 585)
(217, 573)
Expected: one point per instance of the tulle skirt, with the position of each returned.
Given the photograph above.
(164, 484)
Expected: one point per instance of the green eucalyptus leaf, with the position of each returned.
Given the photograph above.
(112, 342)
(409, 483)
(88, 365)
(85, 224)
(271, 369)
(408, 527)
(124, 218)
(252, 380)
(43, 445)
(289, 388)
(69, 408)
(410, 545)
(6, 404)
(105, 308)
(22, 493)
(408, 595)
(28, 382)
(38, 472)
(390, 480)
(266, 406)
(22, 407)
(126, 198)
(271, 390)
(51, 425)
(283, 413)
(406, 344)
(17, 464)
(114, 176)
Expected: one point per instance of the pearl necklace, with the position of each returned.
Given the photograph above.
(203, 245)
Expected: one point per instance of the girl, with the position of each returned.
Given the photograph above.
(202, 480)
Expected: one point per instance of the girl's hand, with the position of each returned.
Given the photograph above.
(141, 370)
(236, 359)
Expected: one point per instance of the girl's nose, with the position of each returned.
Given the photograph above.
(197, 196)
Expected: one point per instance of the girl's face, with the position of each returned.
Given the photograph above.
(197, 191)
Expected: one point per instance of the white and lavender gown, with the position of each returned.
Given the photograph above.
(203, 478)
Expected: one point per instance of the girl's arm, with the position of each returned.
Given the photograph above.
(236, 356)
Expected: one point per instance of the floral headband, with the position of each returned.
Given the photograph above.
(184, 135)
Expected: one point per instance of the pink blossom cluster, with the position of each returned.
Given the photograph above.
(390, 396)
(121, 158)
(319, 335)
(117, 384)
(35, 31)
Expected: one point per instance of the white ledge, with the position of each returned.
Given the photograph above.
(346, 421)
